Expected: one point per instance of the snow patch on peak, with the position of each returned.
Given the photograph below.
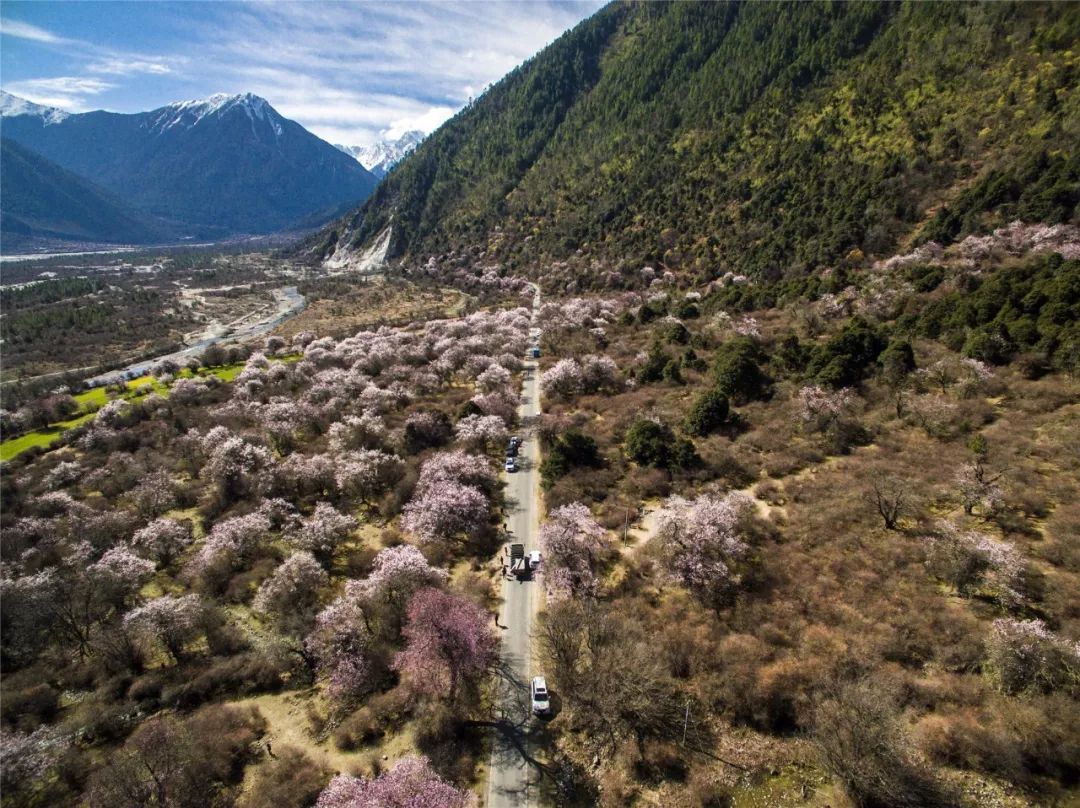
(189, 114)
(379, 158)
(12, 106)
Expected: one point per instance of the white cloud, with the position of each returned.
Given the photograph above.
(350, 72)
(366, 69)
(24, 30)
(67, 92)
(425, 122)
(126, 67)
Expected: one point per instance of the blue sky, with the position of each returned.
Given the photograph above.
(351, 72)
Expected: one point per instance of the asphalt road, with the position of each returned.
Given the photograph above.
(512, 777)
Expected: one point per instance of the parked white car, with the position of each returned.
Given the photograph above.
(541, 704)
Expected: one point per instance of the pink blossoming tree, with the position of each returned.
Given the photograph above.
(702, 543)
(321, 533)
(168, 621)
(449, 644)
(410, 783)
(293, 588)
(572, 542)
(445, 510)
(342, 646)
(162, 540)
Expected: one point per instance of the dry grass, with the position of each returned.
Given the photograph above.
(370, 304)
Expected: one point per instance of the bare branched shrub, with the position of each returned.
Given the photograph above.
(860, 742)
(890, 496)
(289, 779)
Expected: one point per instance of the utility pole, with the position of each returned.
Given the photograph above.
(686, 722)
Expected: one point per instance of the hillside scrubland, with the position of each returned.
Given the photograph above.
(810, 356)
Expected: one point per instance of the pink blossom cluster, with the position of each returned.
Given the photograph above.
(397, 573)
(572, 542)
(978, 370)
(834, 306)
(234, 462)
(27, 758)
(971, 374)
(112, 414)
(162, 540)
(1025, 655)
(285, 418)
(503, 404)
(292, 587)
(456, 466)
(448, 501)
(479, 279)
(977, 490)
(583, 312)
(169, 621)
(321, 532)
(481, 431)
(974, 560)
(191, 391)
(494, 377)
(341, 644)
(230, 544)
(1017, 238)
(367, 473)
(882, 295)
(929, 253)
(410, 783)
(119, 574)
(155, 494)
(63, 474)
(702, 541)
(731, 279)
(562, 380)
(300, 476)
(448, 643)
(747, 327)
(594, 374)
(445, 510)
(819, 408)
(375, 372)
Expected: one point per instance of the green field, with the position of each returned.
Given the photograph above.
(90, 401)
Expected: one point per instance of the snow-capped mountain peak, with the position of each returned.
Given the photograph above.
(379, 158)
(189, 114)
(12, 106)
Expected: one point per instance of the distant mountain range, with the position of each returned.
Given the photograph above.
(380, 157)
(211, 168)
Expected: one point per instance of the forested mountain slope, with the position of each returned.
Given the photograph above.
(42, 200)
(763, 138)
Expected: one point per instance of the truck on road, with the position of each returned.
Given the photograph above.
(522, 565)
(519, 565)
